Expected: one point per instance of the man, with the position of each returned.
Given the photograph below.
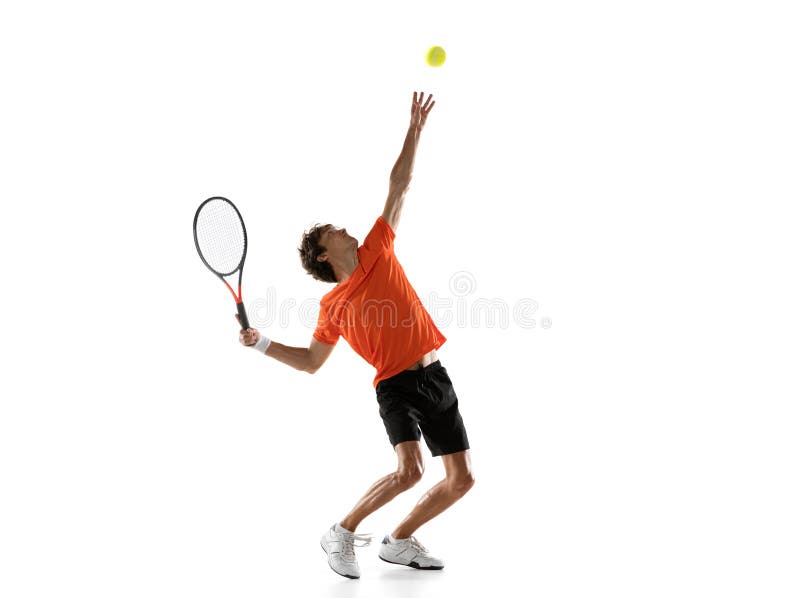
(413, 389)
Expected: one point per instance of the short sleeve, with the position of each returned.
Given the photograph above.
(379, 241)
(327, 332)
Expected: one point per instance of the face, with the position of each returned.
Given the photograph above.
(336, 241)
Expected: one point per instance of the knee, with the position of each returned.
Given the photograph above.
(461, 483)
(409, 476)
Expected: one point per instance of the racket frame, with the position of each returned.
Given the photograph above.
(237, 297)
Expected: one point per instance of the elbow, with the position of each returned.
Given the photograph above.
(311, 369)
(400, 181)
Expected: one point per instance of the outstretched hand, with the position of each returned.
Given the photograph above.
(420, 111)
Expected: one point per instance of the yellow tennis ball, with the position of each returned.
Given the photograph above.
(435, 56)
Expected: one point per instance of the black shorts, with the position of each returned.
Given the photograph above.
(425, 399)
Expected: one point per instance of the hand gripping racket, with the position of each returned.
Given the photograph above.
(221, 241)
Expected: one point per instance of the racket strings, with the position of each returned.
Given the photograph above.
(220, 236)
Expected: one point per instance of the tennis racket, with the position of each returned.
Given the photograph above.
(221, 241)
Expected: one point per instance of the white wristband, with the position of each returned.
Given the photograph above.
(261, 344)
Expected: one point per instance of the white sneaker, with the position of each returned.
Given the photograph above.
(339, 548)
(409, 552)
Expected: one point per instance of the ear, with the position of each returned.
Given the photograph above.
(323, 257)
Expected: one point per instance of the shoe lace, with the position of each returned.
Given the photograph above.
(417, 544)
(348, 543)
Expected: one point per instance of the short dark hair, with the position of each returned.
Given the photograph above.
(310, 249)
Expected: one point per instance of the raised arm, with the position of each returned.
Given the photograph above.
(400, 177)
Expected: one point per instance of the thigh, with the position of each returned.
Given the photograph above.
(441, 424)
(409, 456)
(457, 466)
(399, 416)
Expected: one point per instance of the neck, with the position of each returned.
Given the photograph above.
(345, 266)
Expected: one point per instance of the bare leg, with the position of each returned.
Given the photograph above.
(409, 472)
(458, 481)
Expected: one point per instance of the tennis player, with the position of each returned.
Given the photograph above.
(375, 308)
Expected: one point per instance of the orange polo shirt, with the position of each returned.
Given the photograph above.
(377, 311)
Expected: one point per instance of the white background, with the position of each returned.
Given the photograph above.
(629, 166)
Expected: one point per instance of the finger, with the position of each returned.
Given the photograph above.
(430, 107)
(428, 101)
(415, 97)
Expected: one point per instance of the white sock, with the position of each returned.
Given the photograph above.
(392, 539)
(340, 530)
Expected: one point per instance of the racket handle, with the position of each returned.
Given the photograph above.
(242, 316)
